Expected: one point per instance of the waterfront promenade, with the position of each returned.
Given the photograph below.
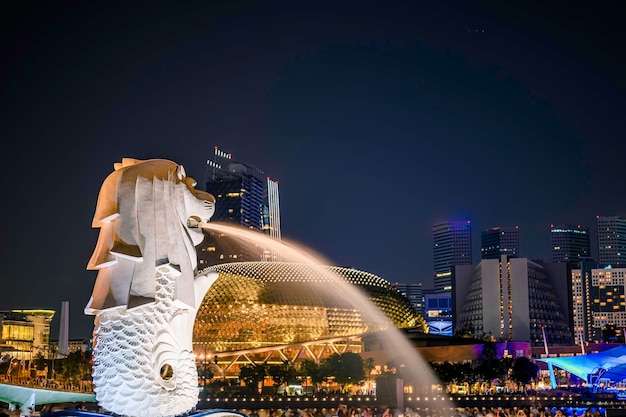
(26, 391)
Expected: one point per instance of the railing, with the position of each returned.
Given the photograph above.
(45, 383)
(416, 402)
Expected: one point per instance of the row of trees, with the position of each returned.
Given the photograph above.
(346, 369)
(339, 370)
(521, 371)
(73, 368)
(342, 369)
(489, 367)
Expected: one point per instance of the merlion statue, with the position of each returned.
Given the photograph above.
(146, 293)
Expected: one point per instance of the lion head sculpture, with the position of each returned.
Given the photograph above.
(146, 293)
(147, 212)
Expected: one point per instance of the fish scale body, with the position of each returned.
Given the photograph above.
(131, 346)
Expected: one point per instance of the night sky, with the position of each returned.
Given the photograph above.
(378, 119)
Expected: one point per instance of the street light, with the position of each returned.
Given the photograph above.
(204, 369)
(53, 353)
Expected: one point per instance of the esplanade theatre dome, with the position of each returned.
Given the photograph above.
(264, 304)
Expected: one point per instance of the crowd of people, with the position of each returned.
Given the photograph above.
(509, 411)
(484, 411)
(349, 411)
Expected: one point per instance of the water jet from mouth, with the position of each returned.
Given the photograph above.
(301, 267)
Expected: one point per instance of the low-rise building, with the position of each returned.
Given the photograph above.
(24, 334)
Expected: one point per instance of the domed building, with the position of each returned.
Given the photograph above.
(264, 306)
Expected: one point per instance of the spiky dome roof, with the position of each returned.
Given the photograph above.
(261, 304)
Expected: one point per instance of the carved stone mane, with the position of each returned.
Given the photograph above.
(146, 213)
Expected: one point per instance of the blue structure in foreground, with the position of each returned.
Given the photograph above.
(608, 365)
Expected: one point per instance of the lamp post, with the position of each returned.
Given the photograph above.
(202, 379)
(53, 353)
(204, 369)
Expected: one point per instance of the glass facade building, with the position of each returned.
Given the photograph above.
(612, 241)
(570, 244)
(243, 196)
(499, 241)
(452, 245)
(414, 293)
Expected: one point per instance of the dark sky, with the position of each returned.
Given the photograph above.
(378, 119)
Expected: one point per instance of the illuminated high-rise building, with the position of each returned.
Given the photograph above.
(499, 241)
(612, 241)
(598, 295)
(243, 196)
(570, 244)
(452, 245)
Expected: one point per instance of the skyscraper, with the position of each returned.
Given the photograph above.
(598, 296)
(586, 300)
(246, 197)
(452, 245)
(499, 241)
(569, 244)
(612, 241)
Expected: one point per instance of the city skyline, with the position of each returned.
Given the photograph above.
(378, 121)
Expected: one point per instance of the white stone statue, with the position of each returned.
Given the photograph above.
(146, 294)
